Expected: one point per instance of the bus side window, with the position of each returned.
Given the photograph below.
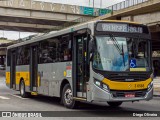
(26, 55)
(43, 52)
(19, 56)
(55, 50)
(23, 55)
(47, 51)
(66, 48)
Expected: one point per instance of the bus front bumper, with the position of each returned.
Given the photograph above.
(100, 95)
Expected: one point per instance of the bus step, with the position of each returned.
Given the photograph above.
(81, 99)
(34, 93)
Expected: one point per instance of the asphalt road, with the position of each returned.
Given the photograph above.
(11, 101)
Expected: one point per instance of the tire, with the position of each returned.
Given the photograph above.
(114, 104)
(67, 97)
(23, 93)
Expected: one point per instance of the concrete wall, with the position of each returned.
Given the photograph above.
(41, 16)
(42, 6)
(147, 18)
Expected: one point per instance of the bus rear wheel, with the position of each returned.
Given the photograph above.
(23, 93)
(114, 104)
(67, 97)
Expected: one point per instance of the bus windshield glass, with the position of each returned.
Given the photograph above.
(121, 53)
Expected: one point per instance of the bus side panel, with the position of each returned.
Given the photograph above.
(8, 79)
(51, 78)
(22, 72)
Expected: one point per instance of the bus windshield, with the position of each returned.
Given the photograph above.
(120, 53)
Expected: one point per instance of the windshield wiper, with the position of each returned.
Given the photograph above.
(115, 43)
(123, 54)
(117, 46)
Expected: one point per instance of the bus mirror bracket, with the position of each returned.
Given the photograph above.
(91, 46)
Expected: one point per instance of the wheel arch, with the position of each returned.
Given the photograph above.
(63, 83)
(21, 79)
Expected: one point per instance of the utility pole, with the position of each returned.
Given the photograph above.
(93, 4)
(3, 33)
(100, 3)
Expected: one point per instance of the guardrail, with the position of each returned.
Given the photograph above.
(125, 4)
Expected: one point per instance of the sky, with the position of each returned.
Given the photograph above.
(12, 35)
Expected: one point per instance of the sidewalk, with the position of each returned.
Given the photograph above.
(156, 85)
(2, 73)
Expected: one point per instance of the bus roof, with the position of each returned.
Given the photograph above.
(64, 31)
(121, 21)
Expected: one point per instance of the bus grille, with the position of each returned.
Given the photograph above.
(127, 77)
(118, 94)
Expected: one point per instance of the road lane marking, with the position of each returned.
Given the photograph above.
(5, 98)
(18, 96)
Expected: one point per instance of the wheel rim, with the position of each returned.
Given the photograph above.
(22, 88)
(68, 96)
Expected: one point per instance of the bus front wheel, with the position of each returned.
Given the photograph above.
(67, 97)
(23, 93)
(114, 104)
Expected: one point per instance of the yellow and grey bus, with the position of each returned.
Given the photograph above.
(105, 61)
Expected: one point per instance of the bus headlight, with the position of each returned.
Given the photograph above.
(105, 87)
(98, 83)
(150, 85)
(101, 85)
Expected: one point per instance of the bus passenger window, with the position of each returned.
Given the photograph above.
(67, 55)
(55, 50)
(23, 55)
(66, 48)
(44, 53)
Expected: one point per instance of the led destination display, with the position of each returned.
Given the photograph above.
(121, 27)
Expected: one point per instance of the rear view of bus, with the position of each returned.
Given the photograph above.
(122, 68)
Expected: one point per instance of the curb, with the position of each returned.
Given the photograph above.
(156, 95)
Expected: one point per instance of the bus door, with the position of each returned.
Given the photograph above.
(33, 68)
(81, 66)
(13, 70)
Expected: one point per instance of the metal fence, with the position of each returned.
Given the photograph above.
(125, 4)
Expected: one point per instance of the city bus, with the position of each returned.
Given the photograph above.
(97, 61)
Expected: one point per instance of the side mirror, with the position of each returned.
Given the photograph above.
(91, 46)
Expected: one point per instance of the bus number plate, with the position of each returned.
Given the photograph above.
(130, 95)
(141, 86)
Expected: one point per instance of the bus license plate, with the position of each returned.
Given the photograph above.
(130, 95)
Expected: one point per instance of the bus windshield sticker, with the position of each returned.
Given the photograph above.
(138, 69)
(133, 63)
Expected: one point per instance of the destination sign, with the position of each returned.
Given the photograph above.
(121, 27)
